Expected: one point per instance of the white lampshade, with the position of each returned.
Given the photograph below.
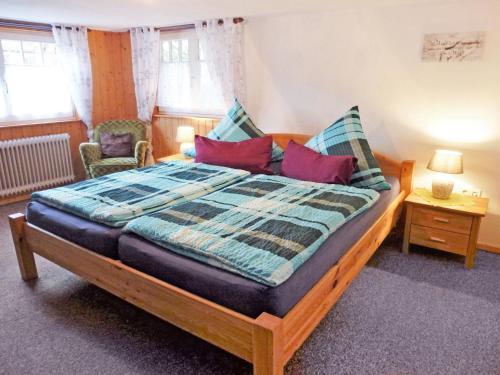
(185, 134)
(446, 161)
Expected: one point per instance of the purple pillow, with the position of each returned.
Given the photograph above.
(116, 145)
(302, 163)
(253, 155)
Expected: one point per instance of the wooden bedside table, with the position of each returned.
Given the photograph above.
(174, 157)
(438, 225)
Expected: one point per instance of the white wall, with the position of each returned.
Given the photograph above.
(305, 70)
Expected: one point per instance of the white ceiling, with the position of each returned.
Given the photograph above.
(119, 14)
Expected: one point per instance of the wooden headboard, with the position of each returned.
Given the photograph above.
(402, 170)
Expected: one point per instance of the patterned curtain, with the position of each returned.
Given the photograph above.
(222, 45)
(145, 64)
(73, 54)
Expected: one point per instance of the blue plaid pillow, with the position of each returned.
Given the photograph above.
(346, 137)
(237, 126)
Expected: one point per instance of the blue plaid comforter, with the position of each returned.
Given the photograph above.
(263, 227)
(117, 198)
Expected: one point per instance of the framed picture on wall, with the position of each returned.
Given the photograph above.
(450, 47)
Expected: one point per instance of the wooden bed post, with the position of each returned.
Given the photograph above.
(25, 257)
(406, 177)
(268, 345)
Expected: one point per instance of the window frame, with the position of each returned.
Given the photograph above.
(194, 66)
(30, 36)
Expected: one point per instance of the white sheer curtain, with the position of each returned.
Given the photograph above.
(145, 64)
(222, 44)
(73, 54)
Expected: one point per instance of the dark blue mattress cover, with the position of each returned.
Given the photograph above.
(241, 294)
(93, 236)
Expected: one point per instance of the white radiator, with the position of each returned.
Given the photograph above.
(29, 164)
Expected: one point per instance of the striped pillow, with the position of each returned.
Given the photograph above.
(237, 126)
(346, 137)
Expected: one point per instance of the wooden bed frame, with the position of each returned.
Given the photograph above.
(268, 342)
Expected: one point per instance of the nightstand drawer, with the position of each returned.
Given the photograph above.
(439, 239)
(429, 217)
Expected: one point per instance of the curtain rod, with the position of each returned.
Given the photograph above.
(37, 26)
(191, 25)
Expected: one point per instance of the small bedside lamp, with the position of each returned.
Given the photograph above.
(185, 136)
(445, 162)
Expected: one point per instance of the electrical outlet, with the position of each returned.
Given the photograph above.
(473, 192)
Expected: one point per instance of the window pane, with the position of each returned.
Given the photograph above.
(174, 48)
(49, 54)
(32, 53)
(12, 52)
(184, 84)
(185, 50)
(33, 86)
(165, 51)
(37, 92)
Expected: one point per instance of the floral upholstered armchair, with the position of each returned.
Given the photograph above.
(92, 157)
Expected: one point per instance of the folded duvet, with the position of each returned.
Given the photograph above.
(117, 198)
(263, 227)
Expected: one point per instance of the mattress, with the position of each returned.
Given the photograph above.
(96, 237)
(241, 294)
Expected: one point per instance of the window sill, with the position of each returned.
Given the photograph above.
(188, 115)
(16, 124)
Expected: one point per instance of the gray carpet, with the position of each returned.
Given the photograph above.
(418, 314)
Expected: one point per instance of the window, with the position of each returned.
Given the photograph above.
(32, 86)
(185, 86)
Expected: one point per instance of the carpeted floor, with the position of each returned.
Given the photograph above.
(418, 314)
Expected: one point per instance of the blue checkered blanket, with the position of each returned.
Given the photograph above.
(117, 198)
(263, 227)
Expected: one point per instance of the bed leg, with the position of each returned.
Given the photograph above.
(25, 257)
(268, 345)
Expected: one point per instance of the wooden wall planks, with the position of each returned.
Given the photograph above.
(112, 79)
(165, 128)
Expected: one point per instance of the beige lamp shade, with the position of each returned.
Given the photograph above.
(446, 161)
(185, 134)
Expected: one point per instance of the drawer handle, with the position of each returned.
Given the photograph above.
(441, 219)
(437, 239)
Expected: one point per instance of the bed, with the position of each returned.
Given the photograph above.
(266, 339)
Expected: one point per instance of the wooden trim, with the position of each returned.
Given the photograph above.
(488, 247)
(268, 341)
(14, 199)
(186, 116)
(25, 258)
(22, 124)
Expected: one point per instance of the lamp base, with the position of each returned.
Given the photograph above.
(185, 146)
(442, 188)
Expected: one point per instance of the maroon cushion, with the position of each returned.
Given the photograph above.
(116, 145)
(302, 163)
(253, 155)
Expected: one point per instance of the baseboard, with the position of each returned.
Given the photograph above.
(489, 248)
(14, 199)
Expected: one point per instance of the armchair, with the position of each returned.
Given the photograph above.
(91, 155)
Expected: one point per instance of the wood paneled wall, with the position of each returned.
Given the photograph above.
(165, 129)
(112, 79)
(76, 129)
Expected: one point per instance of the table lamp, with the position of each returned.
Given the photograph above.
(445, 162)
(185, 136)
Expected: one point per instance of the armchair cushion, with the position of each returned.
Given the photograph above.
(111, 165)
(115, 145)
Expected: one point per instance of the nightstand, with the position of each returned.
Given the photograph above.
(439, 225)
(178, 157)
